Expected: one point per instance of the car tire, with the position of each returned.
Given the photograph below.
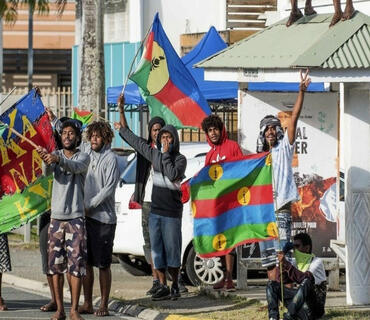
(133, 265)
(203, 271)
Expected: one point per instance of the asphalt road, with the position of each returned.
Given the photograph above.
(24, 304)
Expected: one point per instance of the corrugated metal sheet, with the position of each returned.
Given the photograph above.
(308, 43)
(354, 53)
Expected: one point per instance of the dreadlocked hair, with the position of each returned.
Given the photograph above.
(102, 128)
(212, 121)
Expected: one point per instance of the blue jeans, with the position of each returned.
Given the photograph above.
(270, 248)
(165, 241)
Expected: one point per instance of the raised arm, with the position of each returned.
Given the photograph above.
(132, 139)
(292, 126)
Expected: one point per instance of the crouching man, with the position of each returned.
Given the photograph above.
(305, 301)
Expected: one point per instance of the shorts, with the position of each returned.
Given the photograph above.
(100, 238)
(5, 264)
(67, 247)
(270, 248)
(43, 240)
(165, 239)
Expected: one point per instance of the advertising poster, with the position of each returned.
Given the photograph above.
(315, 159)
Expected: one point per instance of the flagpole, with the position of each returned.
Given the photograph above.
(133, 60)
(7, 96)
(20, 135)
(277, 227)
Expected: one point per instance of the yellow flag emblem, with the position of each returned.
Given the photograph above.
(158, 76)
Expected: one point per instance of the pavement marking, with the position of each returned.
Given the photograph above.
(177, 317)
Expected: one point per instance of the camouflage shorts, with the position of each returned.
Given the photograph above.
(67, 247)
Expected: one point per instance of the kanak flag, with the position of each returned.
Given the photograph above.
(232, 204)
(167, 85)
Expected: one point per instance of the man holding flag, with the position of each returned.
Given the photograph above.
(166, 207)
(222, 149)
(272, 138)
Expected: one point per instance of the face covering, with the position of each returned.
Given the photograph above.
(303, 260)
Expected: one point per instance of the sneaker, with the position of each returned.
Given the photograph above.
(153, 289)
(220, 285)
(230, 286)
(175, 293)
(162, 293)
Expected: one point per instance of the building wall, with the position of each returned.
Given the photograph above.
(49, 31)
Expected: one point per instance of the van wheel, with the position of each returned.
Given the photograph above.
(206, 271)
(133, 265)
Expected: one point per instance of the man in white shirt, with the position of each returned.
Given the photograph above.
(281, 146)
(307, 301)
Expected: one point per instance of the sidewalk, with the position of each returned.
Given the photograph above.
(130, 299)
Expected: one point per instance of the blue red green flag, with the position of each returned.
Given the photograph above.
(232, 204)
(25, 193)
(166, 84)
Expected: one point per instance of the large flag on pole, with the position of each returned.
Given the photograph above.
(166, 84)
(232, 204)
(24, 192)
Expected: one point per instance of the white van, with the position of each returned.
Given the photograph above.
(128, 242)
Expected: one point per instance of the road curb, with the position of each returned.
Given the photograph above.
(114, 305)
(141, 312)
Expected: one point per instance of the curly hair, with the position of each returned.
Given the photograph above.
(212, 121)
(102, 128)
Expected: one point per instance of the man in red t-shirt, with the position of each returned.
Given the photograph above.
(222, 149)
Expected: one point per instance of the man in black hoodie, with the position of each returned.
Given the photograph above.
(166, 206)
(143, 193)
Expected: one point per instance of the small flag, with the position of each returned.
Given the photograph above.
(83, 115)
(232, 204)
(166, 84)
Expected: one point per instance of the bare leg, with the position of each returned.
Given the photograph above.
(295, 13)
(348, 11)
(75, 284)
(105, 279)
(229, 262)
(58, 282)
(308, 10)
(51, 305)
(88, 284)
(337, 13)
(161, 276)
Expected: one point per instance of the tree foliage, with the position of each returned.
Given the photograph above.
(9, 8)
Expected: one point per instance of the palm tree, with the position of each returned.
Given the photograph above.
(9, 9)
(91, 69)
(92, 79)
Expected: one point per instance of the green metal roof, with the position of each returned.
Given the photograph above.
(307, 43)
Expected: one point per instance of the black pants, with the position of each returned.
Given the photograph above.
(297, 301)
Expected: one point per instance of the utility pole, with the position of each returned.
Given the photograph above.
(30, 47)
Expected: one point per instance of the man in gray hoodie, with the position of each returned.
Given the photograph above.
(166, 207)
(67, 236)
(100, 184)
